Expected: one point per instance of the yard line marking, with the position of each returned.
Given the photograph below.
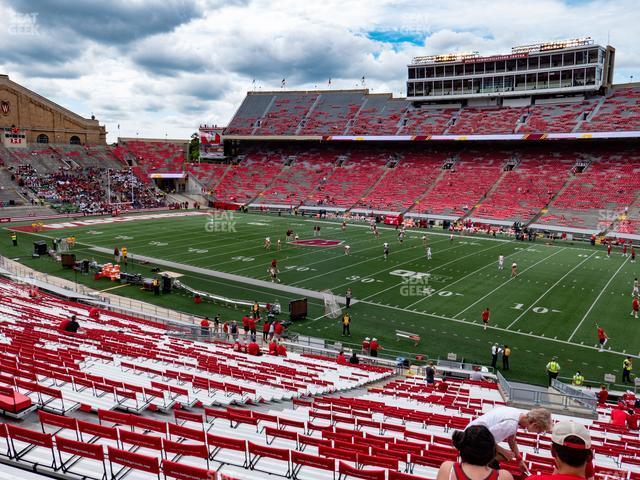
(436, 268)
(376, 258)
(490, 327)
(462, 278)
(548, 290)
(597, 298)
(504, 283)
(307, 252)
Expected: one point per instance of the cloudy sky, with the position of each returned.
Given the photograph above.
(163, 67)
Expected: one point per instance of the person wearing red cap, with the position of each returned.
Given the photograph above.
(571, 450)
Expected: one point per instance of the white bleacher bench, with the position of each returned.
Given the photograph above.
(414, 337)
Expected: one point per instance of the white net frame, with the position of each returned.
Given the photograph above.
(331, 307)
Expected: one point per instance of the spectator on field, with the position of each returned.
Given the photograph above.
(504, 422)
(340, 359)
(477, 448)
(571, 450)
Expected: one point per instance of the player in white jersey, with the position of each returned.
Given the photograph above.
(401, 236)
(514, 269)
(267, 243)
(296, 237)
(278, 245)
(451, 237)
(501, 262)
(636, 288)
(424, 240)
(376, 232)
(428, 253)
(273, 273)
(386, 250)
(346, 249)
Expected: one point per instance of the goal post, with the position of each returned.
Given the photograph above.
(331, 307)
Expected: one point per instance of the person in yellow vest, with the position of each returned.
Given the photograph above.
(578, 379)
(627, 366)
(506, 353)
(14, 239)
(553, 368)
(346, 322)
(123, 251)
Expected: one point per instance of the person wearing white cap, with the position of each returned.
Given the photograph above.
(366, 343)
(571, 450)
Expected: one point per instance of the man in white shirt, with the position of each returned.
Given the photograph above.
(503, 423)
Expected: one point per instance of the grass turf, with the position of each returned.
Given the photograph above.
(550, 308)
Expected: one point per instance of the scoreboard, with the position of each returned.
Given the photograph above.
(14, 138)
(211, 143)
(548, 68)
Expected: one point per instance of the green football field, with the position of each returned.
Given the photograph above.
(550, 308)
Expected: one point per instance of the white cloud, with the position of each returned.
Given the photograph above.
(180, 70)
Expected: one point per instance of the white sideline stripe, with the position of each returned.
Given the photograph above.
(597, 298)
(548, 290)
(227, 276)
(452, 283)
(504, 283)
(500, 329)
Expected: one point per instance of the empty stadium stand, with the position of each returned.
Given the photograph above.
(120, 369)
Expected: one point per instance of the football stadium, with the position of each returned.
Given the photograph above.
(338, 283)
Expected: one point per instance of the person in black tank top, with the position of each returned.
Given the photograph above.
(477, 448)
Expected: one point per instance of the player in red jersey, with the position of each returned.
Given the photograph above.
(485, 317)
(603, 338)
(635, 306)
(609, 250)
(624, 250)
